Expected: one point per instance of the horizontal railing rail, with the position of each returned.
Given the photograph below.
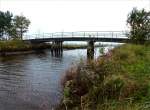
(83, 34)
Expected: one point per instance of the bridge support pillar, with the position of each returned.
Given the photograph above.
(90, 50)
(57, 48)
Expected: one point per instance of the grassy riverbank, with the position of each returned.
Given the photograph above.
(18, 47)
(74, 46)
(79, 46)
(120, 80)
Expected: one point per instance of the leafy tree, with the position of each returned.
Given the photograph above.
(5, 23)
(2, 20)
(139, 21)
(13, 27)
(21, 25)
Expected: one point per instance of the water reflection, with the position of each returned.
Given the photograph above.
(56, 53)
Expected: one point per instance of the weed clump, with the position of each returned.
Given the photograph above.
(117, 81)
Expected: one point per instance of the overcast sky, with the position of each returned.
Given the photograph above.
(74, 15)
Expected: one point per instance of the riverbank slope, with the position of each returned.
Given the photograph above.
(13, 47)
(120, 80)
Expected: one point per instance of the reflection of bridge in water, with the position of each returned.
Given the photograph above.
(90, 37)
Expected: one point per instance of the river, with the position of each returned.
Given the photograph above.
(33, 81)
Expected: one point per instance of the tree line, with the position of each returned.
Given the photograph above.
(12, 27)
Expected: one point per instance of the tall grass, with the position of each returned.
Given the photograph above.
(118, 81)
(18, 45)
(13, 45)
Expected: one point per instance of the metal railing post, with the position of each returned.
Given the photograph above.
(112, 38)
(52, 35)
(72, 34)
(62, 34)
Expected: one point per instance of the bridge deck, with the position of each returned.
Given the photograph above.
(40, 40)
(99, 36)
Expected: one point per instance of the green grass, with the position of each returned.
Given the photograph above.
(75, 46)
(18, 45)
(120, 80)
(13, 45)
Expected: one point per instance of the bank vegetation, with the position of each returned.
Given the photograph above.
(117, 80)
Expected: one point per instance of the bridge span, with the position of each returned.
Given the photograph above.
(90, 37)
(97, 36)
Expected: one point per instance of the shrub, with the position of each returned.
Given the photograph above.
(118, 82)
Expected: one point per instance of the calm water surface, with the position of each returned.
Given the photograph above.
(33, 81)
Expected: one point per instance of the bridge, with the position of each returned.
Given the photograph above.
(97, 36)
(90, 37)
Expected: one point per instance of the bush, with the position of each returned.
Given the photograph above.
(116, 82)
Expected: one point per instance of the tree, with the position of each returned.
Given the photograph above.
(21, 25)
(139, 22)
(12, 27)
(2, 21)
(5, 23)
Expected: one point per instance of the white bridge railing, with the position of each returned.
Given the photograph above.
(96, 34)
